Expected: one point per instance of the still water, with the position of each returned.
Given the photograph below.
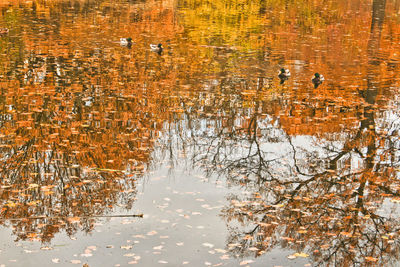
(221, 162)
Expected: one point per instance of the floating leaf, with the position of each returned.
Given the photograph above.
(302, 255)
(246, 262)
(371, 259)
(208, 245)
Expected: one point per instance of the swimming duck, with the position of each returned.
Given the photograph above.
(156, 48)
(126, 42)
(283, 74)
(317, 79)
(4, 31)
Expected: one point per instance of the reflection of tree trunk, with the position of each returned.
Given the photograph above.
(374, 60)
(368, 120)
(378, 16)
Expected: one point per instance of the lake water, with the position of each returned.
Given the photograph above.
(199, 154)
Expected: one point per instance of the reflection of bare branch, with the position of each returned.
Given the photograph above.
(312, 198)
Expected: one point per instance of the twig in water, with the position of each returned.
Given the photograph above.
(66, 217)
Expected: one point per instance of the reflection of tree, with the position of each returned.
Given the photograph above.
(331, 196)
(77, 127)
(57, 165)
(327, 199)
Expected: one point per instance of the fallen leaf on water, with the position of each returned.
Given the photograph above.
(246, 262)
(208, 245)
(55, 260)
(371, 259)
(139, 236)
(152, 233)
(11, 204)
(295, 255)
(248, 237)
(302, 255)
(33, 186)
(33, 203)
(73, 219)
(346, 234)
(31, 235)
(107, 170)
(126, 247)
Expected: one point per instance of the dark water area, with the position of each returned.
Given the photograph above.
(116, 151)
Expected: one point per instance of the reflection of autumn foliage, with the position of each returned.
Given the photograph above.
(79, 114)
(78, 119)
(52, 147)
(330, 195)
(61, 201)
(329, 37)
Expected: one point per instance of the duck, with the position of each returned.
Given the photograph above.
(317, 79)
(4, 31)
(283, 75)
(126, 42)
(156, 48)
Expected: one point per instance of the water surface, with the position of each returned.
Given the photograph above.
(228, 164)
